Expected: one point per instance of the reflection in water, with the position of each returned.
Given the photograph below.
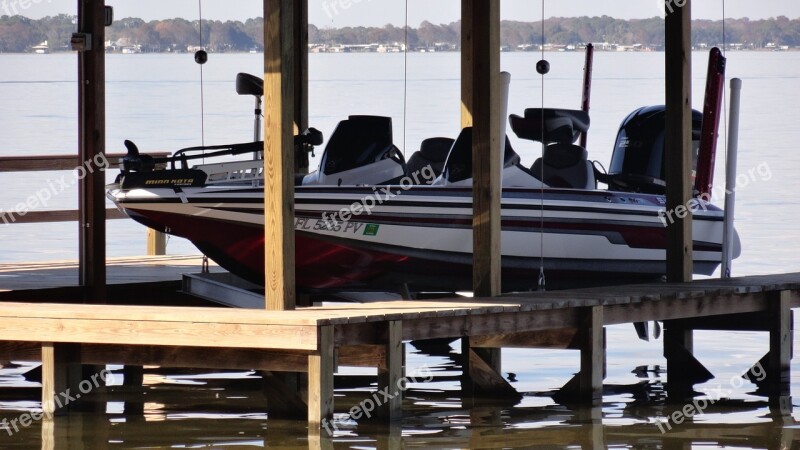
(185, 409)
(570, 429)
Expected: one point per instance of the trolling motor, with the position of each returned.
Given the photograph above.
(247, 84)
(134, 161)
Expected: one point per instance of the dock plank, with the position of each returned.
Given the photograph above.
(133, 332)
(122, 270)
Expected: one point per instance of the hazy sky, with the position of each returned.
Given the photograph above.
(338, 13)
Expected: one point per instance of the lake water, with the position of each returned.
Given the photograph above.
(155, 100)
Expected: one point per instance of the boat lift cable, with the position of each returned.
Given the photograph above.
(405, 82)
(725, 269)
(542, 67)
(724, 95)
(201, 57)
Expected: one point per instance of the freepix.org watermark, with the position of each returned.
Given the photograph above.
(762, 172)
(335, 7)
(333, 222)
(669, 6)
(366, 407)
(42, 197)
(699, 405)
(60, 400)
(14, 7)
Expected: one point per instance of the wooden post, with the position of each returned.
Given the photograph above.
(279, 92)
(678, 140)
(390, 379)
(779, 358)
(156, 243)
(91, 151)
(480, 105)
(283, 395)
(59, 375)
(317, 439)
(482, 374)
(592, 357)
(586, 387)
(678, 343)
(49, 437)
(300, 75)
(321, 366)
(683, 369)
(133, 378)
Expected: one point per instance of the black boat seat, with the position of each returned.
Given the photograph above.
(565, 166)
(247, 84)
(358, 141)
(432, 152)
(458, 166)
(562, 126)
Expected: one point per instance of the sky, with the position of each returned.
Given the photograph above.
(339, 13)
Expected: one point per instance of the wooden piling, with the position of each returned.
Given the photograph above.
(321, 366)
(91, 147)
(61, 375)
(780, 344)
(156, 243)
(592, 356)
(678, 141)
(683, 369)
(480, 107)
(279, 115)
(390, 377)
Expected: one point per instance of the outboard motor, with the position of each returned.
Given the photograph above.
(637, 164)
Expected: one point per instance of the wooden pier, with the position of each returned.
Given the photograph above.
(121, 270)
(318, 340)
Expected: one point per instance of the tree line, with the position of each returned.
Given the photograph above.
(21, 34)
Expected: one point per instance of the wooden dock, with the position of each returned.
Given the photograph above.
(121, 270)
(320, 339)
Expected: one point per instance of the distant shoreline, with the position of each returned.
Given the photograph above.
(134, 35)
(791, 50)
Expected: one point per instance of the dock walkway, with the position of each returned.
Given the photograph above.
(121, 270)
(318, 340)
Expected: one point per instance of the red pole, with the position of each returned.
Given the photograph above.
(712, 107)
(587, 87)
